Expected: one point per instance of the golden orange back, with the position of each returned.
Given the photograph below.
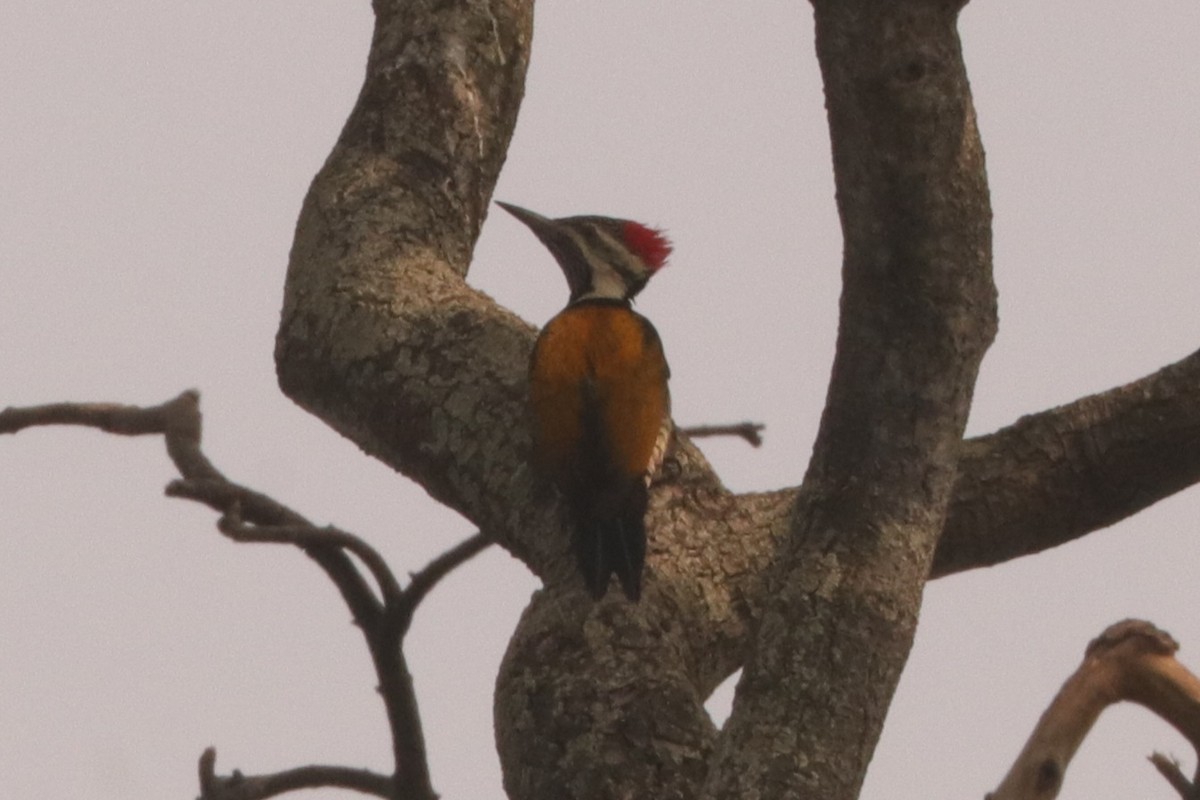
(601, 362)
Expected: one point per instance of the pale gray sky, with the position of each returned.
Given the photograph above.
(153, 157)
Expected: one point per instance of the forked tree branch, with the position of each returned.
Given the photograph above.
(1132, 660)
(420, 583)
(249, 516)
(1169, 768)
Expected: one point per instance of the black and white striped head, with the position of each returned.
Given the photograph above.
(602, 257)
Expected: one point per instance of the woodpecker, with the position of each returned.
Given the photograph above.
(598, 391)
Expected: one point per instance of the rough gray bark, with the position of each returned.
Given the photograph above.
(816, 590)
(917, 314)
(1058, 475)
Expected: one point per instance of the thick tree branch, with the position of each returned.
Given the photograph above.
(1058, 475)
(1050, 478)
(1132, 660)
(380, 335)
(917, 314)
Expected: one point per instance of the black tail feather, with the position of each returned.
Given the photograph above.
(615, 545)
(627, 555)
(590, 555)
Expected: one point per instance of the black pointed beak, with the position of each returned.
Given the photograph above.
(556, 236)
(536, 222)
(550, 232)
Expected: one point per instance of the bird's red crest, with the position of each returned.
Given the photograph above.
(649, 243)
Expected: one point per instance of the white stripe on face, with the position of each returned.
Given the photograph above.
(613, 268)
(625, 261)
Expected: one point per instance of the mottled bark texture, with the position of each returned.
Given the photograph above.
(918, 312)
(1058, 475)
(815, 590)
(380, 336)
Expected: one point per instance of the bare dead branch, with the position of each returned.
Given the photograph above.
(250, 516)
(1132, 660)
(750, 431)
(177, 419)
(383, 626)
(221, 495)
(307, 537)
(115, 418)
(257, 787)
(229, 498)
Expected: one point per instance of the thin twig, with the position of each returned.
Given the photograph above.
(259, 787)
(221, 495)
(177, 419)
(228, 498)
(750, 431)
(1169, 769)
(308, 536)
(422, 582)
(108, 417)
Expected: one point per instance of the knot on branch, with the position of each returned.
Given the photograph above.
(1135, 633)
